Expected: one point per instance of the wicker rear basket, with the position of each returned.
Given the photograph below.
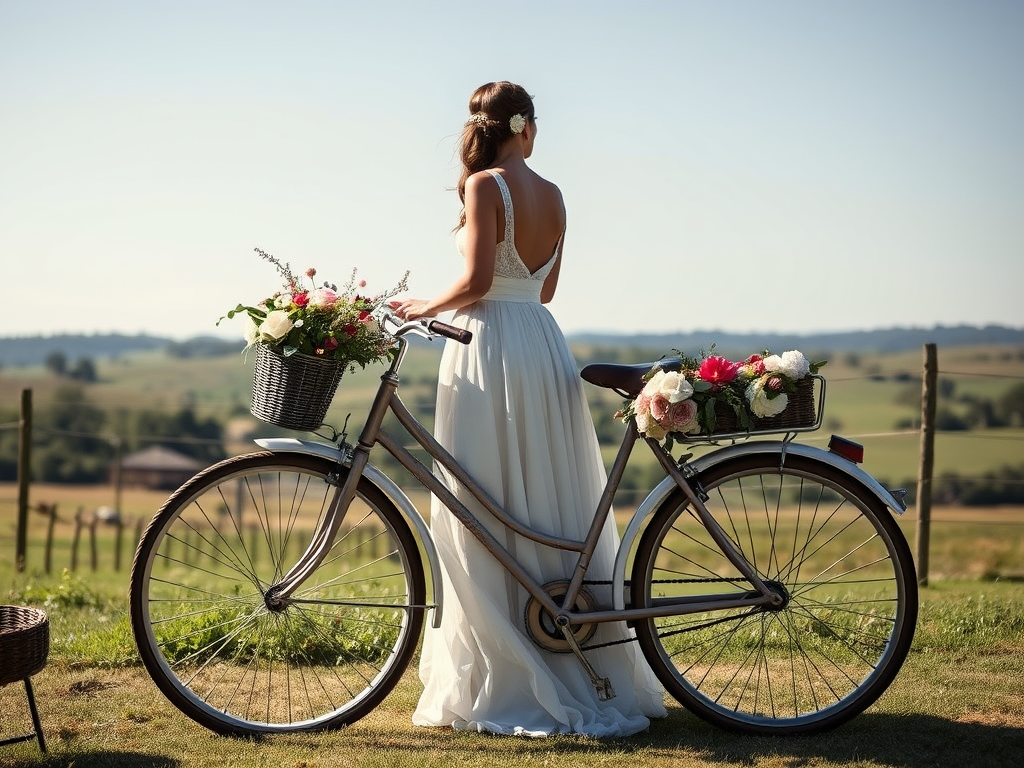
(798, 414)
(293, 392)
(24, 642)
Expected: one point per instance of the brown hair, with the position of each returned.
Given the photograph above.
(491, 107)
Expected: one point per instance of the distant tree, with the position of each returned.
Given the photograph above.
(57, 363)
(1010, 407)
(75, 447)
(199, 438)
(83, 370)
(949, 421)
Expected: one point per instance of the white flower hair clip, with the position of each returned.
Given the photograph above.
(517, 122)
(478, 117)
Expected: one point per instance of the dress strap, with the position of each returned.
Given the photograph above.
(506, 198)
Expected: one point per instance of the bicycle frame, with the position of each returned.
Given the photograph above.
(357, 459)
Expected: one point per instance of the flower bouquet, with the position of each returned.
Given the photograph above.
(685, 397)
(306, 336)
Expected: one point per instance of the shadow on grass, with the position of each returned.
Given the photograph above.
(902, 741)
(99, 759)
(899, 741)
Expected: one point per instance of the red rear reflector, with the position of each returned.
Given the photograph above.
(846, 448)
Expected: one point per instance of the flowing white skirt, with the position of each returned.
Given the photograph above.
(511, 408)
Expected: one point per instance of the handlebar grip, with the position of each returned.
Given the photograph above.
(450, 331)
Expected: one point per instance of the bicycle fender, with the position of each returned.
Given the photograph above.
(807, 451)
(388, 487)
(665, 487)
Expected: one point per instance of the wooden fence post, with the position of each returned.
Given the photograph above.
(75, 537)
(929, 394)
(51, 510)
(118, 541)
(24, 478)
(94, 555)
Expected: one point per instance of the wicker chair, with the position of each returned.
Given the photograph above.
(24, 645)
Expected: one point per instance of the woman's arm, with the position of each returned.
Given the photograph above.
(483, 199)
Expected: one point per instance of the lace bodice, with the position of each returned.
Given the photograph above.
(508, 262)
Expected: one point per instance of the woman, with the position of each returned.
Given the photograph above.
(511, 409)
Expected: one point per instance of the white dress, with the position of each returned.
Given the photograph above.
(511, 408)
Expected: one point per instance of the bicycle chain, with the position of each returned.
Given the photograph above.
(676, 632)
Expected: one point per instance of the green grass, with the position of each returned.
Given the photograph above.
(959, 701)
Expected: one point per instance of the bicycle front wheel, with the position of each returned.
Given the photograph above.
(821, 541)
(238, 663)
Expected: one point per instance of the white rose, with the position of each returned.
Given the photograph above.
(791, 364)
(671, 384)
(276, 326)
(761, 405)
(251, 332)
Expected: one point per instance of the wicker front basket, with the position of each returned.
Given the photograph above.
(799, 413)
(293, 392)
(24, 642)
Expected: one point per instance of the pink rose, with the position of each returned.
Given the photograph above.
(659, 407)
(755, 364)
(682, 416)
(300, 299)
(322, 297)
(642, 404)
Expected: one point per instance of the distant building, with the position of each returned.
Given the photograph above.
(158, 467)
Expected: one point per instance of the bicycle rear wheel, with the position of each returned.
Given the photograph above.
(829, 547)
(238, 664)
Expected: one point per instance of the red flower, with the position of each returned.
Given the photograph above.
(364, 316)
(351, 330)
(718, 370)
(756, 364)
(301, 299)
(330, 344)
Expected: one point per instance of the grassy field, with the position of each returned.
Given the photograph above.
(959, 700)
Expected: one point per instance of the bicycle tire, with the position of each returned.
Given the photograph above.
(822, 540)
(208, 637)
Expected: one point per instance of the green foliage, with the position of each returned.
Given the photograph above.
(73, 591)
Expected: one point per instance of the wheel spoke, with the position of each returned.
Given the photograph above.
(845, 606)
(323, 657)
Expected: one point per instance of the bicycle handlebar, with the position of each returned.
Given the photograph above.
(425, 328)
(450, 331)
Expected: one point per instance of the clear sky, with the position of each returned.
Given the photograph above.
(787, 166)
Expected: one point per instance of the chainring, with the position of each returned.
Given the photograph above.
(540, 625)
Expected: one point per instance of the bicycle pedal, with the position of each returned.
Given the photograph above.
(605, 692)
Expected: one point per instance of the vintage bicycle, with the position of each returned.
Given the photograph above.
(766, 581)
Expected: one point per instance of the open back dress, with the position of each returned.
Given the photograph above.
(511, 409)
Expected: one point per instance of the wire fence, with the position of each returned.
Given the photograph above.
(97, 542)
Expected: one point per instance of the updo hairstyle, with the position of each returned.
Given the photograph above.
(491, 107)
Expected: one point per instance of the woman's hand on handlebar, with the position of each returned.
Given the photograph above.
(411, 309)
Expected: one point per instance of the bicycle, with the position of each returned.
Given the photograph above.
(770, 588)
